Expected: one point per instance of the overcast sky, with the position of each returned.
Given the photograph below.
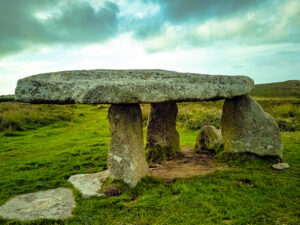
(257, 38)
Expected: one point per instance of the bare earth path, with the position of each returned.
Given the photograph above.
(187, 164)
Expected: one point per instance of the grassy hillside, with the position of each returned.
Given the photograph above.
(6, 98)
(290, 88)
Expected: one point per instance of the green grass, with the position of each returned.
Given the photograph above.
(286, 112)
(44, 157)
(16, 116)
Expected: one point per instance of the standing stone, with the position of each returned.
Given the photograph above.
(126, 158)
(247, 128)
(162, 136)
(209, 138)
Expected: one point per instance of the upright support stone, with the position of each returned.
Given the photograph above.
(126, 158)
(162, 136)
(247, 128)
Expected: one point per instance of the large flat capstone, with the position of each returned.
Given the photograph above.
(128, 86)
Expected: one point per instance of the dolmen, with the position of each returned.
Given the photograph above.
(245, 126)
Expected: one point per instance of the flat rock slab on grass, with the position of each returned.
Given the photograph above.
(89, 184)
(128, 86)
(50, 204)
(281, 166)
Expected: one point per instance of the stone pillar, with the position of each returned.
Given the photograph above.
(247, 128)
(126, 158)
(162, 136)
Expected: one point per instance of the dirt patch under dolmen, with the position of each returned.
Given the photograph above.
(187, 164)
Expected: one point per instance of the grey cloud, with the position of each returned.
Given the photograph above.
(190, 12)
(75, 23)
(210, 22)
(147, 27)
(81, 23)
(18, 25)
(200, 10)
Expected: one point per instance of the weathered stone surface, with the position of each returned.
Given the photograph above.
(126, 159)
(281, 166)
(247, 128)
(51, 204)
(128, 86)
(162, 136)
(209, 138)
(89, 184)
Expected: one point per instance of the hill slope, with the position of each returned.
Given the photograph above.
(7, 98)
(290, 88)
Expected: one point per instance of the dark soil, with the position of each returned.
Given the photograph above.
(187, 164)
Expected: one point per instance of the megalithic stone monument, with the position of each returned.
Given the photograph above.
(125, 89)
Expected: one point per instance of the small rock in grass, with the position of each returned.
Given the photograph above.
(50, 204)
(89, 185)
(281, 166)
(209, 138)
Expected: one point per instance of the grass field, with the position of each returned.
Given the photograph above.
(42, 145)
(290, 88)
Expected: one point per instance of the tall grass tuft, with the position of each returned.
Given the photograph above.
(194, 115)
(16, 116)
(285, 111)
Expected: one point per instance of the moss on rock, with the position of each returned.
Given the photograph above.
(159, 153)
